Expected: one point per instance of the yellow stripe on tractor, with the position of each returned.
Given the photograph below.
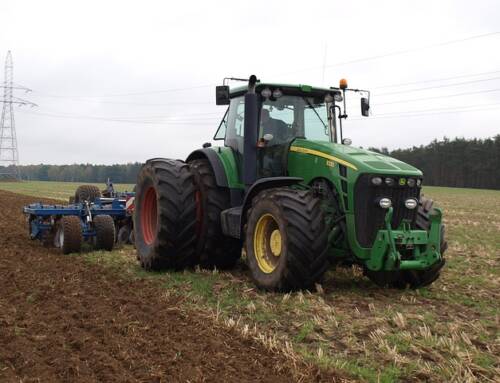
(317, 153)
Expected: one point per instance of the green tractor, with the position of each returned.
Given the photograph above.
(290, 191)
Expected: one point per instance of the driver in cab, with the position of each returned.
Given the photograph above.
(273, 133)
(272, 127)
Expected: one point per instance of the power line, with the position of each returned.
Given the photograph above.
(396, 53)
(149, 117)
(426, 114)
(438, 86)
(390, 54)
(438, 97)
(159, 91)
(213, 121)
(130, 103)
(142, 93)
(434, 80)
(438, 109)
(79, 117)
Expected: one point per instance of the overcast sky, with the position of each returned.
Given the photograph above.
(106, 74)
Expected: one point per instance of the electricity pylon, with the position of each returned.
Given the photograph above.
(9, 154)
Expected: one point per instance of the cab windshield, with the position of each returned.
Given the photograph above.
(291, 117)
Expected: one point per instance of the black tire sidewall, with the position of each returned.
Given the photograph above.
(72, 234)
(105, 232)
(123, 235)
(213, 247)
(86, 193)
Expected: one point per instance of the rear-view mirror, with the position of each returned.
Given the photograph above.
(365, 107)
(222, 95)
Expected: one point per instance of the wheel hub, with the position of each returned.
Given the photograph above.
(275, 243)
(267, 243)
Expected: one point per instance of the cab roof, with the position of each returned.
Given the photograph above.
(286, 88)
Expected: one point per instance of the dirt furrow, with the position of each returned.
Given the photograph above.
(62, 319)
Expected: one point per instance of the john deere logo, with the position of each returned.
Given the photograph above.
(402, 181)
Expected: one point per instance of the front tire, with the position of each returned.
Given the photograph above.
(286, 240)
(165, 216)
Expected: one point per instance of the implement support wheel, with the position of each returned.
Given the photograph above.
(70, 234)
(104, 232)
(86, 193)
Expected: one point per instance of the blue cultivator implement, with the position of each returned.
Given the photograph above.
(68, 226)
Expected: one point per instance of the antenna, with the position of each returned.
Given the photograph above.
(9, 155)
(324, 65)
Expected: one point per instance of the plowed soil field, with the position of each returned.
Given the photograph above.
(63, 319)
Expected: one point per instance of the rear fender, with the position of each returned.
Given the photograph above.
(215, 162)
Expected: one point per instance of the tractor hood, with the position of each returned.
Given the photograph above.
(360, 160)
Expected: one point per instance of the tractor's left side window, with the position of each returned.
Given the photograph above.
(235, 124)
(220, 134)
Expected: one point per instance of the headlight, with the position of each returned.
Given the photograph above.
(385, 203)
(266, 93)
(412, 182)
(338, 97)
(277, 93)
(390, 181)
(377, 181)
(419, 182)
(411, 203)
(328, 98)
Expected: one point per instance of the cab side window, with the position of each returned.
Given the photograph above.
(316, 120)
(235, 124)
(221, 131)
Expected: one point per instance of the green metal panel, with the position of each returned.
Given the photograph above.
(320, 159)
(228, 160)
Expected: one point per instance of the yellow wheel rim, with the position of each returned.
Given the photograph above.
(267, 243)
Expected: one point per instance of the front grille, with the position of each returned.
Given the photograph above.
(369, 217)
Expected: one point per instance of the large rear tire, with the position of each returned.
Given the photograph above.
(286, 240)
(165, 216)
(414, 279)
(70, 234)
(87, 193)
(104, 232)
(214, 248)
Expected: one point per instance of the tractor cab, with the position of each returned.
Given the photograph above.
(282, 113)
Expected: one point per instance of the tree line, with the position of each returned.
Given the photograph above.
(118, 173)
(471, 163)
(464, 163)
